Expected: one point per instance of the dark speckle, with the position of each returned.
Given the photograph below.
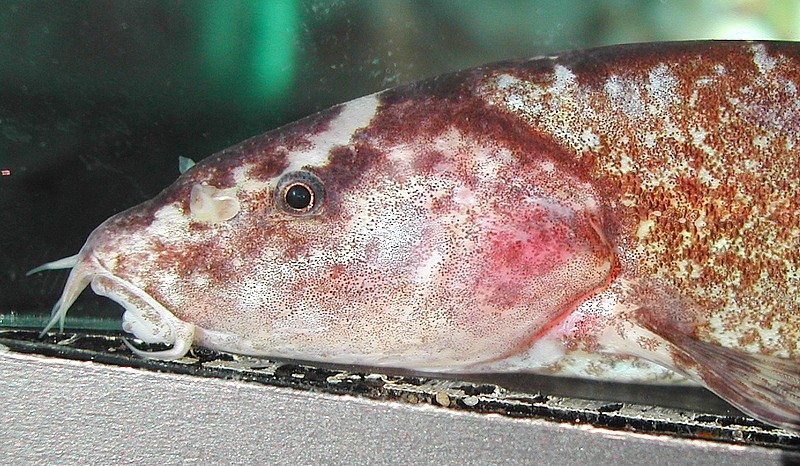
(610, 408)
(204, 355)
(417, 381)
(472, 390)
(311, 374)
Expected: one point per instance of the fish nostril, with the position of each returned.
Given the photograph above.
(214, 205)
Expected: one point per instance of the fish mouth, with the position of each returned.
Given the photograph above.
(144, 317)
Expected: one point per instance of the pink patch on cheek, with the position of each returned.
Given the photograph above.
(529, 248)
(534, 260)
(524, 252)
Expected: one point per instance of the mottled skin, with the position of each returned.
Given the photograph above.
(581, 214)
(694, 149)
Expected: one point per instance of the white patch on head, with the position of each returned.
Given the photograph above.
(763, 62)
(626, 164)
(626, 96)
(563, 80)
(464, 196)
(761, 141)
(354, 115)
(168, 221)
(661, 88)
(429, 268)
(591, 141)
(699, 141)
(246, 183)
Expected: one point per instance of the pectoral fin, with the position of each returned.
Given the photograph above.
(765, 387)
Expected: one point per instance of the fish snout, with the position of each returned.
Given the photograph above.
(144, 316)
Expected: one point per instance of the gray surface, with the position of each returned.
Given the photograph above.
(64, 411)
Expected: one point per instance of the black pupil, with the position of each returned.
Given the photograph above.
(298, 197)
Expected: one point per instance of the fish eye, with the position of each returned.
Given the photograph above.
(298, 196)
(299, 193)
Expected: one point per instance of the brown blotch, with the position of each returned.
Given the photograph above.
(450, 102)
(428, 163)
(348, 164)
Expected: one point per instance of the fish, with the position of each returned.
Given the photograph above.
(625, 213)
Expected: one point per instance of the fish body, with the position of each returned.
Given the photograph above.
(623, 213)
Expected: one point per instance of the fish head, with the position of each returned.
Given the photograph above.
(366, 234)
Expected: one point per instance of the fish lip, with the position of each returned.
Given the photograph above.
(144, 316)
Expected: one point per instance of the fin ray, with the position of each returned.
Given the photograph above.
(764, 387)
(65, 263)
(184, 164)
(77, 281)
